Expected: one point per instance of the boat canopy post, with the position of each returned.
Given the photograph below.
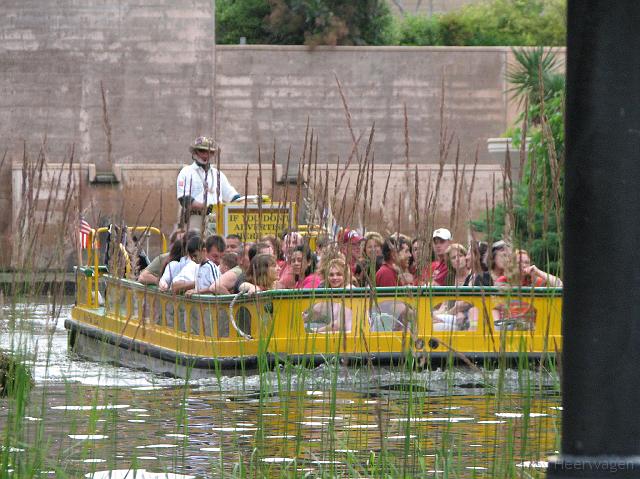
(601, 329)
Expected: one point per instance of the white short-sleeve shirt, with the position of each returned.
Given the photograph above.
(172, 271)
(193, 178)
(208, 273)
(188, 273)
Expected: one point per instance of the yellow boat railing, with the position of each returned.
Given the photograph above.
(93, 260)
(389, 319)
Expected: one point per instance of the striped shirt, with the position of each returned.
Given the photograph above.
(208, 273)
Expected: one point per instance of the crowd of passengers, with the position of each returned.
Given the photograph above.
(217, 265)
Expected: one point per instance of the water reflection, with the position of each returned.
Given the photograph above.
(90, 420)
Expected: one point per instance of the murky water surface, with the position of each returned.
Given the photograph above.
(86, 419)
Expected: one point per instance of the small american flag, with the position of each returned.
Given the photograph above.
(84, 230)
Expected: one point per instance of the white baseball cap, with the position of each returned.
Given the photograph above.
(442, 233)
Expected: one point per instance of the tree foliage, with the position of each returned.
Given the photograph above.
(506, 22)
(369, 22)
(309, 22)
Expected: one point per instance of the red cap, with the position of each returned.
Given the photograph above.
(350, 236)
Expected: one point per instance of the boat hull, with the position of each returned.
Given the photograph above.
(205, 336)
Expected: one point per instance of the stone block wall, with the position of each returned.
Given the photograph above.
(154, 62)
(269, 93)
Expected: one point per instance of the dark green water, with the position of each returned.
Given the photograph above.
(96, 420)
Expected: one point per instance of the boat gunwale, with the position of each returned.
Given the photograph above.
(357, 292)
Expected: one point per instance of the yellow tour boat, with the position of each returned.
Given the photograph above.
(204, 335)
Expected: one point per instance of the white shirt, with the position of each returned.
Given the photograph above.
(208, 273)
(192, 179)
(172, 271)
(187, 273)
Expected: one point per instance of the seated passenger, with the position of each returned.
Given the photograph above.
(318, 278)
(323, 244)
(232, 279)
(289, 243)
(418, 258)
(228, 261)
(208, 273)
(439, 270)
(477, 263)
(531, 275)
(337, 274)
(233, 244)
(500, 261)
(262, 275)
(302, 263)
(275, 245)
(190, 246)
(215, 248)
(394, 270)
(457, 265)
(350, 243)
(367, 268)
(151, 274)
(186, 277)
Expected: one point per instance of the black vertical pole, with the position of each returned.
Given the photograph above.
(601, 329)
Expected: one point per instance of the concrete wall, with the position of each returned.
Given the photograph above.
(267, 93)
(154, 60)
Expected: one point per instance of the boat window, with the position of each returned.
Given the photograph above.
(111, 300)
(124, 303)
(243, 319)
(146, 307)
(157, 311)
(328, 317)
(514, 315)
(182, 317)
(196, 309)
(455, 316)
(135, 310)
(169, 314)
(222, 320)
(391, 316)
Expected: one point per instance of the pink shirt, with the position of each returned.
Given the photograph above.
(314, 280)
(286, 279)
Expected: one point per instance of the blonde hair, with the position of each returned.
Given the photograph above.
(456, 246)
(340, 264)
(329, 255)
(374, 235)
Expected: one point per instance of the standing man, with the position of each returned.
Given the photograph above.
(198, 189)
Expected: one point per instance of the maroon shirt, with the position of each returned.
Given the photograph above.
(386, 276)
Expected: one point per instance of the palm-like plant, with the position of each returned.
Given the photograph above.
(535, 76)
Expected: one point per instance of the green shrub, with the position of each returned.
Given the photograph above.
(297, 22)
(245, 18)
(491, 23)
(418, 30)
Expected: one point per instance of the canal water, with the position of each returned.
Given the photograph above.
(85, 419)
